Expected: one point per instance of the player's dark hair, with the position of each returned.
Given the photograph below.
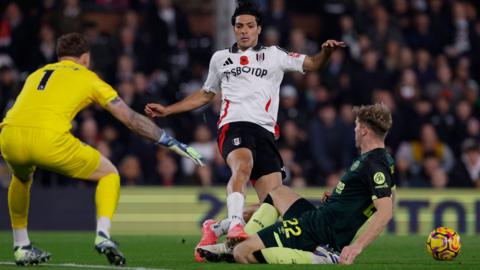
(246, 7)
(72, 44)
(377, 117)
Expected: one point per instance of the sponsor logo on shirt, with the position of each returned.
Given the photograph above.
(228, 62)
(381, 186)
(379, 178)
(340, 187)
(258, 72)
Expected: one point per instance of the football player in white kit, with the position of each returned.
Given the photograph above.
(248, 76)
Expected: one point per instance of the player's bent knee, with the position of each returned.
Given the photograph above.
(243, 169)
(240, 161)
(24, 178)
(104, 168)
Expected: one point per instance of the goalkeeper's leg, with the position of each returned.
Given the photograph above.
(18, 204)
(106, 200)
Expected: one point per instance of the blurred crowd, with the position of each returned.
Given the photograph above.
(419, 57)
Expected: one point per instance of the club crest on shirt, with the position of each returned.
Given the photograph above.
(260, 57)
(237, 141)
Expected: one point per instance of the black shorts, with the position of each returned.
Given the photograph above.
(304, 227)
(261, 142)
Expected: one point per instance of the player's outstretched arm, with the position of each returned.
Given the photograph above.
(146, 128)
(319, 60)
(375, 227)
(195, 100)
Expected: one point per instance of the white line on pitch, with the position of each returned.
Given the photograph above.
(76, 265)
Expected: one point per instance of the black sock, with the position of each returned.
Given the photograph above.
(268, 200)
(259, 256)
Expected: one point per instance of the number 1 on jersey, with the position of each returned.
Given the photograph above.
(44, 80)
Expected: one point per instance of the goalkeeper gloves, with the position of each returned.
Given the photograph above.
(180, 148)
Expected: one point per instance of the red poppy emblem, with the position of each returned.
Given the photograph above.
(244, 60)
(294, 55)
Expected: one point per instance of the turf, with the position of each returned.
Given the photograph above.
(175, 252)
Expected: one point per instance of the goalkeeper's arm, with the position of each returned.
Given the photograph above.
(143, 126)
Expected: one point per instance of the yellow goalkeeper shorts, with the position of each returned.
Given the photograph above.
(24, 149)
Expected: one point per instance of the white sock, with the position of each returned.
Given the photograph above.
(235, 202)
(103, 225)
(221, 228)
(20, 237)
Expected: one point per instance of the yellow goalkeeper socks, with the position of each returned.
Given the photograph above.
(19, 202)
(106, 195)
(265, 216)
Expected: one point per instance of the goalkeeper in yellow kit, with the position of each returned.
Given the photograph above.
(36, 133)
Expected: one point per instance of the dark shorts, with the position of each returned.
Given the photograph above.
(303, 228)
(261, 142)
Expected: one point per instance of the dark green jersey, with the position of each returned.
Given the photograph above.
(351, 203)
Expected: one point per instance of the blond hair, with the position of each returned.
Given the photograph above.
(377, 117)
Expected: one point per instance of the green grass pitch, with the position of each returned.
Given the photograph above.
(175, 252)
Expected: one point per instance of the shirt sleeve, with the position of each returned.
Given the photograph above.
(378, 180)
(103, 93)
(290, 61)
(212, 84)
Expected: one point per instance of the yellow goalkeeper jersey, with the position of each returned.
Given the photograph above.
(54, 94)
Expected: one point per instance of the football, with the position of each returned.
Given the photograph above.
(443, 244)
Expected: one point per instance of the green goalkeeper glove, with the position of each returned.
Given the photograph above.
(180, 148)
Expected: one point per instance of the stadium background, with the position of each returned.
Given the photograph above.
(419, 57)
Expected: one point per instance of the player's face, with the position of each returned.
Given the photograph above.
(359, 133)
(246, 31)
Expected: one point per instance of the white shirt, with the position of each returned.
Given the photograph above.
(250, 82)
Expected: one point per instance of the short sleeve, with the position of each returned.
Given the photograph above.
(103, 93)
(290, 61)
(212, 84)
(379, 180)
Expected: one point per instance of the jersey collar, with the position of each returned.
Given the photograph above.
(235, 49)
(376, 150)
(69, 62)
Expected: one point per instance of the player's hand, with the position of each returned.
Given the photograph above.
(156, 110)
(349, 253)
(331, 45)
(181, 149)
(325, 196)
